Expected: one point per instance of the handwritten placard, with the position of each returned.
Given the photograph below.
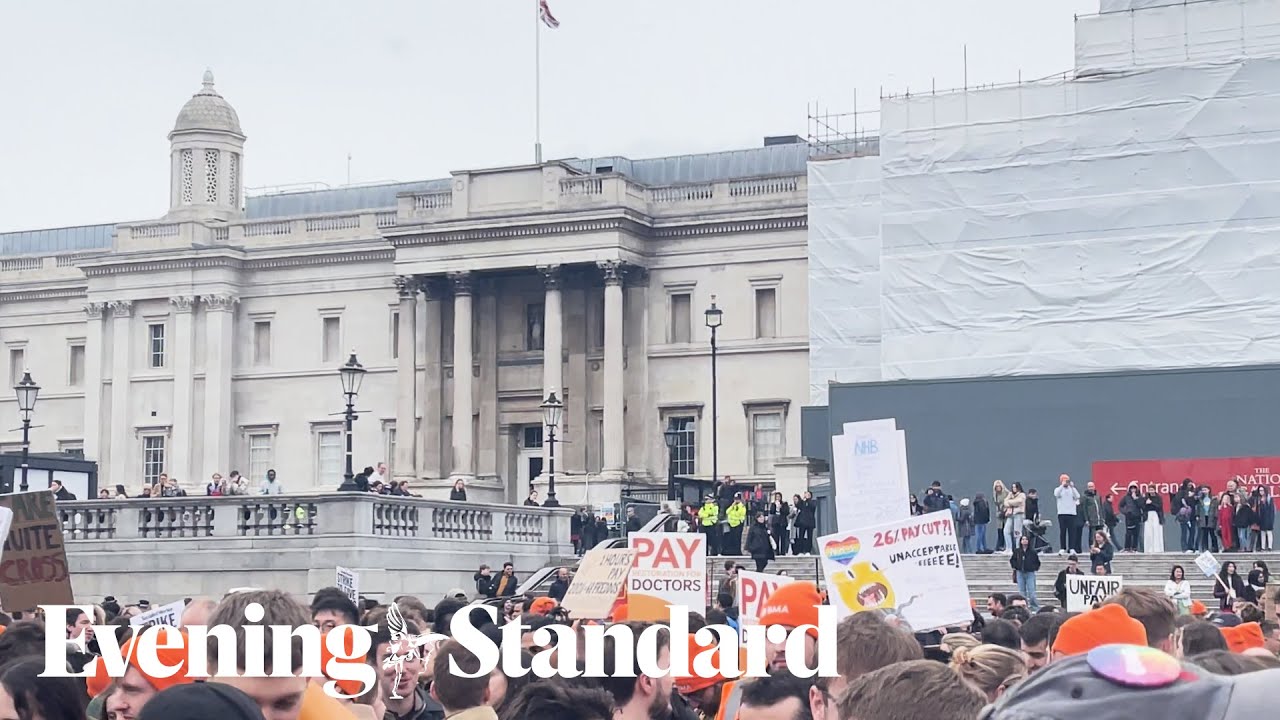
(596, 585)
(349, 583)
(33, 566)
(170, 615)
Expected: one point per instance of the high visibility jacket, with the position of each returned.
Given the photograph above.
(709, 514)
(737, 514)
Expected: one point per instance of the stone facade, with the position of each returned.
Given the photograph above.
(209, 340)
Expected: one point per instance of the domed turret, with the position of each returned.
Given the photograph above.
(206, 158)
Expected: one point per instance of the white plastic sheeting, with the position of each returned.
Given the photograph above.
(844, 273)
(1203, 31)
(1125, 222)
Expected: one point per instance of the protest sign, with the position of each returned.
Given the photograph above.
(33, 566)
(170, 615)
(871, 481)
(1208, 564)
(910, 569)
(754, 590)
(349, 583)
(669, 569)
(1083, 591)
(601, 575)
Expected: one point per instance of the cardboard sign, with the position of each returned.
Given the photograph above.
(170, 615)
(1083, 591)
(909, 569)
(33, 565)
(754, 590)
(601, 575)
(871, 483)
(349, 583)
(1208, 564)
(669, 569)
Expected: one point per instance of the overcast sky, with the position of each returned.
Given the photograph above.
(413, 89)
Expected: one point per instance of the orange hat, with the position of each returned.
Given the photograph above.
(542, 606)
(693, 682)
(793, 605)
(1198, 609)
(96, 680)
(1243, 636)
(170, 657)
(348, 687)
(618, 613)
(1108, 625)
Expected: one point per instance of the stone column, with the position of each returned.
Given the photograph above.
(219, 325)
(463, 403)
(486, 311)
(615, 444)
(93, 382)
(553, 351)
(121, 343)
(432, 407)
(179, 465)
(404, 467)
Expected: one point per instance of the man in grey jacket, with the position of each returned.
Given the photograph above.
(1068, 498)
(1092, 516)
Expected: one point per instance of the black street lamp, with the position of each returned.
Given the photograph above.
(551, 411)
(352, 375)
(714, 317)
(672, 436)
(27, 391)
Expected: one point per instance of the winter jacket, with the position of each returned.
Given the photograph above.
(758, 544)
(806, 515)
(1131, 509)
(1207, 512)
(1060, 585)
(709, 514)
(934, 501)
(505, 585)
(778, 515)
(1102, 557)
(1235, 583)
(1243, 518)
(1015, 503)
(1024, 560)
(964, 522)
(559, 588)
(459, 494)
(1068, 497)
(1093, 516)
(997, 501)
(981, 512)
(1032, 511)
(1267, 513)
(486, 585)
(1153, 505)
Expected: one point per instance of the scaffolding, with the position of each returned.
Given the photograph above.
(843, 134)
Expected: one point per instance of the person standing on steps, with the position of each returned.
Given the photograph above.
(1153, 512)
(1026, 563)
(981, 517)
(736, 515)
(998, 495)
(1092, 517)
(709, 522)
(1060, 584)
(758, 545)
(1131, 509)
(1015, 506)
(1068, 498)
(806, 521)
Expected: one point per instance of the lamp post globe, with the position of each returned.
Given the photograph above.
(352, 376)
(714, 317)
(552, 409)
(27, 392)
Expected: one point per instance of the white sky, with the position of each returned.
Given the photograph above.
(413, 89)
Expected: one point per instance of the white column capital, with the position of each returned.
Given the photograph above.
(122, 308)
(407, 286)
(462, 282)
(182, 303)
(551, 276)
(613, 271)
(94, 310)
(219, 303)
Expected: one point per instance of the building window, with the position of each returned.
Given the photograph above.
(395, 334)
(766, 312)
(260, 455)
(768, 441)
(332, 349)
(74, 449)
(155, 340)
(532, 437)
(17, 365)
(262, 342)
(152, 458)
(681, 328)
(75, 366)
(233, 179)
(597, 321)
(329, 465)
(391, 450)
(188, 176)
(211, 176)
(684, 457)
(595, 438)
(534, 337)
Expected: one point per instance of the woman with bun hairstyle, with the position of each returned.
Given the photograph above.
(990, 668)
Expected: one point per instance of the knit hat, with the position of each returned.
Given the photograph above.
(1198, 609)
(1244, 636)
(170, 657)
(1107, 625)
(693, 682)
(201, 701)
(348, 687)
(96, 679)
(793, 605)
(542, 606)
(619, 612)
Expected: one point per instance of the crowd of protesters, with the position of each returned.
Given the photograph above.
(1011, 662)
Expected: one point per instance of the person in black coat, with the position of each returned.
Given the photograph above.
(1229, 587)
(806, 521)
(1026, 563)
(486, 583)
(779, 514)
(981, 517)
(759, 547)
(459, 491)
(1060, 584)
(559, 586)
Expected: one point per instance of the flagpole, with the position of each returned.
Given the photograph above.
(537, 82)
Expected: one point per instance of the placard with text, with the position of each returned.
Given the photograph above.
(1085, 591)
(33, 566)
(669, 569)
(601, 576)
(754, 590)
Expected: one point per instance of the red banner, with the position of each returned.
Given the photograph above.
(1165, 476)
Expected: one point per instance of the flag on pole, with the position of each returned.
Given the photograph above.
(544, 14)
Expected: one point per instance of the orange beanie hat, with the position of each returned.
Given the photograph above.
(793, 605)
(542, 606)
(1243, 636)
(1108, 625)
(171, 657)
(348, 687)
(1198, 609)
(619, 612)
(96, 680)
(693, 682)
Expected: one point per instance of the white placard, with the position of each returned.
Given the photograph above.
(871, 484)
(6, 522)
(1208, 564)
(170, 615)
(349, 583)
(754, 590)
(1083, 591)
(670, 569)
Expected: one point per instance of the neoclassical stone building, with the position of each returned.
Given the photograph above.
(209, 339)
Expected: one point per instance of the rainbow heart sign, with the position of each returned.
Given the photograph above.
(842, 551)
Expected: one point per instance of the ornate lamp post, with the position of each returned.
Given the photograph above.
(672, 436)
(27, 391)
(551, 411)
(352, 375)
(715, 317)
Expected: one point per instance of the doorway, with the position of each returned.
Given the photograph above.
(529, 459)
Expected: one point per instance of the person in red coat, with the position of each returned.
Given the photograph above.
(1226, 516)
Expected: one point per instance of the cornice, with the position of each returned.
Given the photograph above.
(125, 266)
(639, 226)
(336, 258)
(733, 227)
(47, 293)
